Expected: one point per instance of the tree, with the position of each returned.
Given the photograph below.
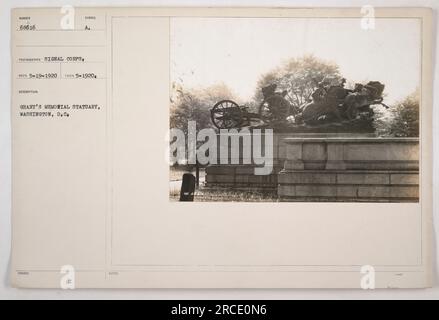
(299, 77)
(401, 120)
(195, 104)
(405, 120)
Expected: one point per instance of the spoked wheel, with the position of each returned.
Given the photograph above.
(274, 109)
(226, 114)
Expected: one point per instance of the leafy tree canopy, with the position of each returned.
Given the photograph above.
(300, 77)
(195, 104)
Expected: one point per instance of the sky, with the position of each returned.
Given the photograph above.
(237, 51)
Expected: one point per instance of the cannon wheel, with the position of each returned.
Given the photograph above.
(226, 114)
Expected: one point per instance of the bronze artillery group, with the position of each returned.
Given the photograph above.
(328, 104)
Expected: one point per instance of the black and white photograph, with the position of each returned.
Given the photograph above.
(328, 109)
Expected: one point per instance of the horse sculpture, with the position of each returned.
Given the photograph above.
(363, 98)
(339, 104)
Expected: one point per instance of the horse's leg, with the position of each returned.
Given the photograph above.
(336, 112)
(350, 111)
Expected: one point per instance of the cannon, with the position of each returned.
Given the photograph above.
(227, 114)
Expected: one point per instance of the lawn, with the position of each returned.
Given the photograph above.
(226, 195)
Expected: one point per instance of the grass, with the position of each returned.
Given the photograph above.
(223, 195)
(218, 194)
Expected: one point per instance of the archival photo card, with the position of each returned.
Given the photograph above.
(221, 147)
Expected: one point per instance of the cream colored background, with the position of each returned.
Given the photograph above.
(289, 216)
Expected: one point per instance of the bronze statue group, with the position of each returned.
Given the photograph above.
(330, 103)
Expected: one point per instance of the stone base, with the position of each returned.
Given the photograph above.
(240, 177)
(331, 168)
(343, 185)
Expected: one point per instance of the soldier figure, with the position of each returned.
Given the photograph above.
(277, 106)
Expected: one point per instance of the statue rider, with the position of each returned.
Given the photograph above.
(320, 93)
(276, 103)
